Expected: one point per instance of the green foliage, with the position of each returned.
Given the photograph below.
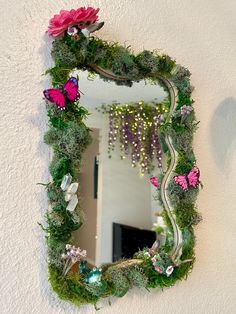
(55, 250)
(147, 62)
(119, 282)
(59, 166)
(181, 79)
(96, 289)
(71, 141)
(186, 215)
(166, 64)
(123, 63)
(136, 276)
(120, 60)
(177, 195)
(62, 53)
(183, 99)
(62, 232)
(59, 75)
(184, 165)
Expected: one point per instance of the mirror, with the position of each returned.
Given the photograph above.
(117, 200)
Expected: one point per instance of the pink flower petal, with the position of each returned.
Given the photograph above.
(154, 181)
(60, 22)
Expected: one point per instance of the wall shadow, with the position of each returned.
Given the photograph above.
(223, 134)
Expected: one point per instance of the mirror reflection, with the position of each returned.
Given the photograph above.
(120, 212)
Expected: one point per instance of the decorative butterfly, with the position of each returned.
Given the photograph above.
(189, 180)
(59, 96)
(154, 181)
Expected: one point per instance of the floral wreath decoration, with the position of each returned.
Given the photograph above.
(177, 187)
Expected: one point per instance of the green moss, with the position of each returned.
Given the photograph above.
(186, 215)
(62, 232)
(55, 250)
(62, 54)
(119, 282)
(147, 62)
(181, 79)
(59, 75)
(136, 276)
(96, 289)
(69, 289)
(59, 167)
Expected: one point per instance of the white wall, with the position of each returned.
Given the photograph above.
(200, 35)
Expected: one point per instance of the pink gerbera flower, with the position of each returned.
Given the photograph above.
(80, 17)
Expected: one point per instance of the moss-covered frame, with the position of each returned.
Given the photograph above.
(68, 136)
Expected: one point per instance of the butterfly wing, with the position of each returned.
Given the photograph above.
(55, 96)
(181, 181)
(71, 89)
(193, 177)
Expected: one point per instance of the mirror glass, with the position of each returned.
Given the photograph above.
(117, 200)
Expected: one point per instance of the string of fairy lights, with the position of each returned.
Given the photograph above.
(135, 126)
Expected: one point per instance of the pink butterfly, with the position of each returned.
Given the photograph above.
(154, 181)
(189, 180)
(58, 96)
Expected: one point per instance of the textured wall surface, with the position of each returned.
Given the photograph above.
(201, 35)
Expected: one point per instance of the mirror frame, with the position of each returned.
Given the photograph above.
(69, 136)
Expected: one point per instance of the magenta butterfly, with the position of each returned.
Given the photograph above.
(189, 180)
(68, 92)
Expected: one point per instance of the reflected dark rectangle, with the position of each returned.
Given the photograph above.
(128, 240)
(95, 178)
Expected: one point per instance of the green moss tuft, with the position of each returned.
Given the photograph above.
(63, 55)
(119, 282)
(136, 276)
(59, 167)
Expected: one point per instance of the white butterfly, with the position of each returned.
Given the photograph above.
(70, 190)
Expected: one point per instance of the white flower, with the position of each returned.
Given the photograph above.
(72, 30)
(68, 246)
(64, 256)
(169, 270)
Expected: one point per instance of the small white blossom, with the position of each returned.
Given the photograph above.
(169, 270)
(72, 30)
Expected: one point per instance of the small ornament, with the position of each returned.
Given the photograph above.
(169, 270)
(154, 181)
(83, 268)
(94, 276)
(71, 190)
(72, 203)
(66, 181)
(67, 93)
